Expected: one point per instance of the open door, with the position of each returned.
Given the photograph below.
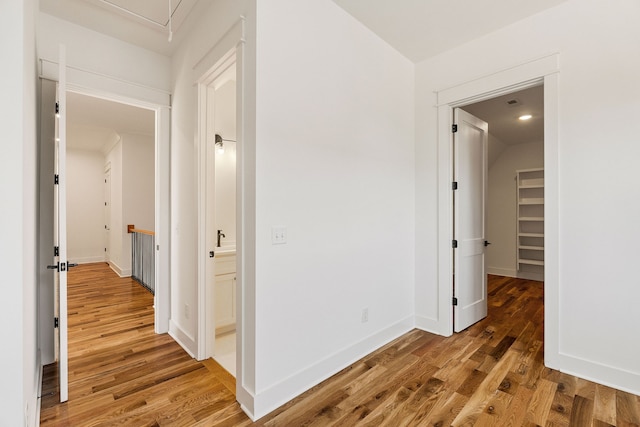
(60, 264)
(470, 174)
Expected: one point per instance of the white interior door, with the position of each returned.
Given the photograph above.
(470, 173)
(60, 229)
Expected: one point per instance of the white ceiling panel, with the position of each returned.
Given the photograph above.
(420, 29)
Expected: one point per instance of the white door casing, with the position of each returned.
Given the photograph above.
(107, 213)
(470, 174)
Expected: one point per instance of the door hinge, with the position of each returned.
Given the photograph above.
(454, 128)
(455, 301)
(56, 251)
(56, 322)
(56, 179)
(454, 185)
(57, 108)
(454, 244)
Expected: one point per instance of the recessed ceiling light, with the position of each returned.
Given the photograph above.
(525, 117)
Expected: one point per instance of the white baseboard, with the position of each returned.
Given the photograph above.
(119, 271)
(87, 260)
(276, 395)
(599, 373)
(530, 276)
(186, 341)
(506, 272)
(428, 324)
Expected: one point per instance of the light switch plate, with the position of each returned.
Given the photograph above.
(278, 235)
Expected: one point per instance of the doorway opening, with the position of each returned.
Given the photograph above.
(545, 71)
(92, 199)
(220, 228)
(514, 207)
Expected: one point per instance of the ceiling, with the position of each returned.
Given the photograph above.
(502, 115)
(92, 121)
(420, 29)
(141, 22)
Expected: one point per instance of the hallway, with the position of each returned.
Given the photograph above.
(121, 372)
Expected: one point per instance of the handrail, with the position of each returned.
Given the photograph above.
(132, 229)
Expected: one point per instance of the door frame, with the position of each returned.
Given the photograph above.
(107, 212)
(545, 71)
(206, 199)
(114, 89)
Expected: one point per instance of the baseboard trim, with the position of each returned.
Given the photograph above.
(428, 324)
(599, 373)
(506, 272)
(87, 260)
(119, 271)
(183, 339)
(530, 276)
(278, 394)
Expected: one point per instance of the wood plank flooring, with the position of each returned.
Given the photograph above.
(490, 374)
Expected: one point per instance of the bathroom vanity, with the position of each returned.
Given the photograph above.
(225, 290)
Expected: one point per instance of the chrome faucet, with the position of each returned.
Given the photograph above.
(220, 234)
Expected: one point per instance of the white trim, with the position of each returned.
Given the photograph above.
(427, 324)
(501, 82)
(532, 73)
(227, 43)
(104, 85)
(87, 259)
(267, 400)
(527, 275)
(506, 272)
(119, 270)
(186, 341)
(615, 378)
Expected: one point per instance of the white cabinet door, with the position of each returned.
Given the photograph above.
(225, 300)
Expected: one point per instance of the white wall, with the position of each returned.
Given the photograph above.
(138, 187)
(501, 204)
(331, 159)
(598, 150)
(85, 206)
(18, 224)
(225, 192)
(92, 51)
(132, 166)
(334, 150)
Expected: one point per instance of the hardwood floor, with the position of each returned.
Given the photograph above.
(490, 374)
